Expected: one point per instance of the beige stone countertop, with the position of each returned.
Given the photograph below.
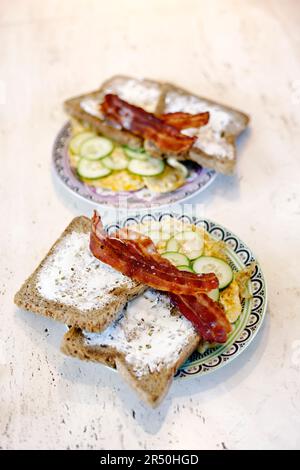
(245, 54)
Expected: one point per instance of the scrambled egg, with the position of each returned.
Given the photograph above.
(169, 180)
(78, 126)
(242, 278)
(214, 247)
(118, 181)
(230, 300)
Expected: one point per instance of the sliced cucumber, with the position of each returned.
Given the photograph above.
(114, 164)
(185, 268)
(179, 166)
(77, 141)
(149, 167)
(92, 169)
(95, 148)
(188, 242)
(210, 264)
(214, 294)
(158, 236)
(178, 259)
(172, 245)
(139, 154)
(116, 161)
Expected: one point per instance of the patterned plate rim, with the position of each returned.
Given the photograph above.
(246, 328)
(78, 191)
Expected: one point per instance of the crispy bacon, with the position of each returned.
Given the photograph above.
(185, 120)
(135, 256)
(135, 261)
(144, 246)
(146, 125)
(205, 314)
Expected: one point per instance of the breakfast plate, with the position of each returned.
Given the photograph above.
(154, 296)
(253, 309)
(198, 180)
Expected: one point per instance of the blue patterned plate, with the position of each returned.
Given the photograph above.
(254, 309)
(198, 180)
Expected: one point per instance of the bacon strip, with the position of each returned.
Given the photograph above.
(146, 125)
(135, 256)
(205, 314)
(132, 259)
(185, 120)
(145, 247)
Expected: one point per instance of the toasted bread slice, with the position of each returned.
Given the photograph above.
(73, 287)
(147, 344)
(215, 145)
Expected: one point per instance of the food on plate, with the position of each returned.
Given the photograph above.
(101, 163)
(170, 179)
(242, 278)
(135, 255)
(128, 120)
(140, 299)
(156, 132)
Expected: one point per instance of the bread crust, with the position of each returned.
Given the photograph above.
(151, 387)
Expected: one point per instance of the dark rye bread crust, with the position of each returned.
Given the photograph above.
(29, 298)
(151, 387)
(223, 165)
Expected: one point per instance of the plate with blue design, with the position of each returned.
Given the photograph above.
(253, 309)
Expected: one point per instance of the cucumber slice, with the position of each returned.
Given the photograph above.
(172, 245)
(179, 166)
(92, 169)
(178, 259)
(158, 236)
(189, 243)
(210, 264)
(76, 141)
(185, 268)
(149, 167)
(95, 148)
(116, 161)
(114, 164)
(138, 154)
(214, 294)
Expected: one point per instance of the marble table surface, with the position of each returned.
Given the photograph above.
(246, 54)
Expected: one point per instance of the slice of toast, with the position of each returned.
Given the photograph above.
(148, 342)
(73, 287)
(215, 145)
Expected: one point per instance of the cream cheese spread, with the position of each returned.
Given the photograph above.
(73, 276)
(92, 106)
(137, 93)
(210, 138)
(147, 333)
